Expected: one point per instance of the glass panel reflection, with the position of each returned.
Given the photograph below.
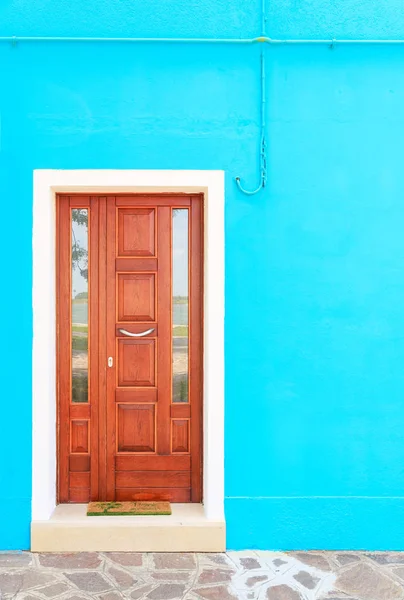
(180, 305)
(80, 305)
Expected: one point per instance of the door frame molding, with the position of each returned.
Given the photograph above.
(47, 183)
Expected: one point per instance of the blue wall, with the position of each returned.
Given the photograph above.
(314, 264)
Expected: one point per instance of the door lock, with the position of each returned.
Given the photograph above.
(110, 361)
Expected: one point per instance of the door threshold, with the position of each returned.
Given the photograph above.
(187, 529)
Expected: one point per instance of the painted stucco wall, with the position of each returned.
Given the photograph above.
(314, 264)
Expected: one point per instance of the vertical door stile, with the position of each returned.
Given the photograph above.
(93, 280)
(111, 349)
(102, 345)
(164, 308)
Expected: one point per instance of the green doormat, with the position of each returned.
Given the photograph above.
(101, 509)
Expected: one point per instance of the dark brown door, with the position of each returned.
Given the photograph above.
(130, 347)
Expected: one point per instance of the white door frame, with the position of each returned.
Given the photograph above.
(47, 183)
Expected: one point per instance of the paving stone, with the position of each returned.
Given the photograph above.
(218, 559)
(167, 591)
(217, 592)
(347, 558)
(367, 584)
(387, 558)
(215, 576)
(306, 579)
(313, 560)
(111, 596)
(175, 560)
(278, 562)
(124, 580)
(252, 581)
(31, 579)
(90, 581)
(141, 591)
(52, 591)
(344, 597)
(70, 560)
(282, 592)
(15, 559)
(250, 563)
(215, 559)
(399, 572)
(10, 583)
(126, 559)
(172, 575)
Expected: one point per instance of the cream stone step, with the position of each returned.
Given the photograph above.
(186, 530)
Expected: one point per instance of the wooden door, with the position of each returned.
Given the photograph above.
(130, 399)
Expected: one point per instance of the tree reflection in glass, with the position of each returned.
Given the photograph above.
(180, 305)
(79, 318)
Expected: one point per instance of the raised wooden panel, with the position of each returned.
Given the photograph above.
(180, 411)
(136, 395)
(180, 435)
(79, 463)
(151, 479)
(79, 436)
(79, 480)
(154, 463)
(81, 495)
(136, 232)
(136, 297)
(78, 200)
(135, 265)
(80, 411)
(153, 200)
(136, 362)
(168, 494)
(136, 427)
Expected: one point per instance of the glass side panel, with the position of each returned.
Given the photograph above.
(79, 317)
(180, 305)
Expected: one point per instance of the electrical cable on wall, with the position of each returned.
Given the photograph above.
(263, 144)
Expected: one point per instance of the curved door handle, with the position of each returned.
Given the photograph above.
(128, 333)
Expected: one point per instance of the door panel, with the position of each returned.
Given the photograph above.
(136, 232)
(79, 437)
(180, 435)
(143, 493)
(136, 425)
(136, 296)
(136, 363)
(129, 370)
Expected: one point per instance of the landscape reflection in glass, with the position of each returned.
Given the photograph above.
(180, 305)
(80, 305)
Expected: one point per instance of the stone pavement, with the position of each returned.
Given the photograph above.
(231, 576)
